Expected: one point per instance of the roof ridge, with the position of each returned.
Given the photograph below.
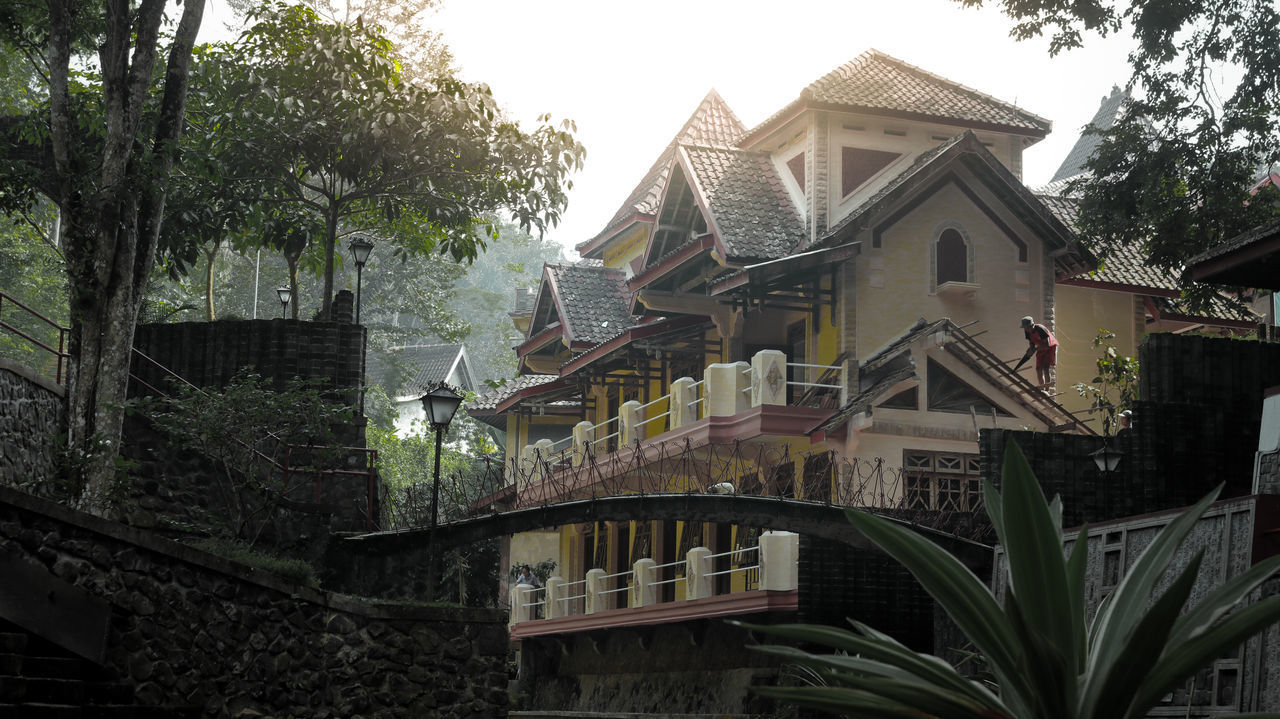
(902, 64)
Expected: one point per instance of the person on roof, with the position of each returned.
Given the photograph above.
(1044, 346)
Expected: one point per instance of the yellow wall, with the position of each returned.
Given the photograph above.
(902, 269)
(1082, 311)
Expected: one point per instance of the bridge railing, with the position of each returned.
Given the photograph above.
(775, 561)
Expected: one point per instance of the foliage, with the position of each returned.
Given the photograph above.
(542, 570)
(322, 116)
(31, 272)
(242, 429)
(1174, 173)
(294, 570)
(1048, 659)
(1115, 387)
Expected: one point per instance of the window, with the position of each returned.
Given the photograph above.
(941, 481)
(796, 165)
(858, 165)
(952, 258)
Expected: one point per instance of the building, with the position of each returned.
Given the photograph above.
(825, 306)
(408, 371)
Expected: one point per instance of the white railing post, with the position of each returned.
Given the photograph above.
(528, 465)
(725, 388)
(594, 600)
(646, 592)
(848, 380)
(779, 561)
(583, 434)
(555, 593)
(521, 595)
(628, 419)
(683, 396)
(697, 574)
(768, 378)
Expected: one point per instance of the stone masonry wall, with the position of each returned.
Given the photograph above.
(187, 627)
(30, 422)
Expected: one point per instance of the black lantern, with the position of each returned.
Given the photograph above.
(360, 248)
(1107, 458)
(283, 292)
(440, 404)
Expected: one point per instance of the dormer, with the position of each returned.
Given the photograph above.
(576, 307)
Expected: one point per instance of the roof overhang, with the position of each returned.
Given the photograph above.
(774, 274)
(803, 105)
(1167, 315)
(594, 246)
(631, 334)
(545, 391)
(540, 340)
(1119, 287)
(665, 266)
(1254, 264)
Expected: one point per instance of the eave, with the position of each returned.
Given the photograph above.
(671, 262)
(540, 340)
(1119, 287)
(765, 275)
(597, 243)
(801, 106)
(530, 392)
(604, 349)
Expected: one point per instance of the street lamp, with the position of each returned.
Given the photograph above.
(360, 249)
(283, 293)
(1107, 458)
(440, 404)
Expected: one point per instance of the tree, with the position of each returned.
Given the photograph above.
(322, 115)
(1114, 387)
(1049, 661)
(1175, 172)
(102, 147)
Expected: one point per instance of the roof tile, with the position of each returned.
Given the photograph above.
(749, 205)
(593, 301)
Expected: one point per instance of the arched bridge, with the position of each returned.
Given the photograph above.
(802, 517)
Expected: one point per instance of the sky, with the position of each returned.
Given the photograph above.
(630, 73)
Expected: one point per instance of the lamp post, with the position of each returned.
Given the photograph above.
(440, 404)
(360, 248)
(283, 292)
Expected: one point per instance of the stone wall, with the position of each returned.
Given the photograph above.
(188, 627)
(30, 424)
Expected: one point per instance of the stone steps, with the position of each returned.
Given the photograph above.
(41, 681)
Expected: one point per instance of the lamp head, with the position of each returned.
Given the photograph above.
(440, 404)
(360, 248)
(283, 292)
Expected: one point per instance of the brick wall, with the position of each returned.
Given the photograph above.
(30, 424)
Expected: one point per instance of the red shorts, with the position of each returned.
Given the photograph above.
(1046, 357)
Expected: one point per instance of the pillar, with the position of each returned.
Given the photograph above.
(779, 561)
(595, 582)
(768, 378)
(683, 396)
(725, 388)
(646, 592)
(697, 582)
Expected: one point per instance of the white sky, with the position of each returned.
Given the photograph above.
(630, 73)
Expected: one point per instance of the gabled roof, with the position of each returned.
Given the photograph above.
(1103, 119)
(890, 366)
(934, 168)
(411, 370)
(746, 204)
(590, 301)
(1124, 267)
(489, 401)
(713, 124)
(877, 84)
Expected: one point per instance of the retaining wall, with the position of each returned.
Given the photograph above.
(188, 627)
(30, 425)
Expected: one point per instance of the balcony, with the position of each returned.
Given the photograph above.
(765, 579)
(733, 403)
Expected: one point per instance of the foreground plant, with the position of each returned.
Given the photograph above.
(1047, 659)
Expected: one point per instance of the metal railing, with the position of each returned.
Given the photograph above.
(60, 353)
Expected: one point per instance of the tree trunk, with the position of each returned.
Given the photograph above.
(330, 240)
(112, 206)
(209, 255)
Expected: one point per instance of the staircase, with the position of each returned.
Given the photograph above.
(39, 680)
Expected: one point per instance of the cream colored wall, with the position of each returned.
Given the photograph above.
(1082, 311)
(533, 547)
(895, 283)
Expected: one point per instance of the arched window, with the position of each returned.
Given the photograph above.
(952, 255)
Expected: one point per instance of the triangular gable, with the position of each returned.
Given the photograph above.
(744, 201)
(712, 124)
(545, 312)
(969, 374)
(940, 168)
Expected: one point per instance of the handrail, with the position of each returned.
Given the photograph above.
(60, 353)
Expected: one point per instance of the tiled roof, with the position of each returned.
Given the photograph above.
(1238, 242)
(1219, 309)
(593, 301)
(490, 400)
(1124, 265)
(410, 370)
(713, 124)
(1103, 119)
(875, 81)
(749, 207)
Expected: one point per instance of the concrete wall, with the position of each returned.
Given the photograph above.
(30, 425)
(187, 627)
(1081, 312)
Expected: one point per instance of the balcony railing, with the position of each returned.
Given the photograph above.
(776, 563)
(726, 390)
